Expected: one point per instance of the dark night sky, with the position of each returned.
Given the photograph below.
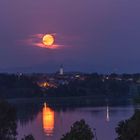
(96, 35)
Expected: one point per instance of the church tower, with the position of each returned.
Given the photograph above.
(61, 71)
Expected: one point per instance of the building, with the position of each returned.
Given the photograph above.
(61, 70)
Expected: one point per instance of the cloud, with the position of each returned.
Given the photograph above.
(61, 41)
(36, 40)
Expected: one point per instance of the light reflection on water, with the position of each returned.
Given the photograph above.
(50, 124)
(48, 120)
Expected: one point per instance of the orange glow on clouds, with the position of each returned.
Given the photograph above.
(50, 40)
(48, 120)
(42, 40)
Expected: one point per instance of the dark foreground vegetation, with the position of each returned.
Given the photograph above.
(129, 129)
(79, 131)
(8, 123)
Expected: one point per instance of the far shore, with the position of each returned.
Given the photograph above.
(73, 101)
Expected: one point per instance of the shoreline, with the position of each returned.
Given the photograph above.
(73, 101)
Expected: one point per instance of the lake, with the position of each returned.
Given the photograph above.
(50, 123)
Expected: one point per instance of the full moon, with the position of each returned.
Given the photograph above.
(48, 40)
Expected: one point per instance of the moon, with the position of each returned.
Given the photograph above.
(48, 40)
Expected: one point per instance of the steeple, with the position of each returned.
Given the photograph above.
(61, 71)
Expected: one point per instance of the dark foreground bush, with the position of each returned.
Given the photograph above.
(129, 129)
(79, 131)
(8, 123)
(28, 137)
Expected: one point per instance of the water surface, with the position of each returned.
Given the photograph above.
(47, 123)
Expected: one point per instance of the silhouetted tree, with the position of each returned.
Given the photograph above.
(129, 129)
(8, 123)
(79, 131)
(28, 137)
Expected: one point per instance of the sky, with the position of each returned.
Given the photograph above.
(92, 35)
